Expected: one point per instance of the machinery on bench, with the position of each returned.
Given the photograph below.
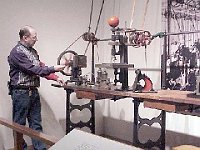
(120, 40)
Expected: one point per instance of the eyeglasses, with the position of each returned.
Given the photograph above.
(33, 38)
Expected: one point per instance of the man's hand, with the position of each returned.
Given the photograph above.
(61, 81)
(59, 67)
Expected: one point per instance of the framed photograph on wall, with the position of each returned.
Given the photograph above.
(181, 45)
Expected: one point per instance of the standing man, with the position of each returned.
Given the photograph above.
(25, 72)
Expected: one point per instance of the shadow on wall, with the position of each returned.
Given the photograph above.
(49, 121)
(123, 131)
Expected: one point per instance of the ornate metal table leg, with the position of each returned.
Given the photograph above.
(92, 126)
(68, 120)
(70, 107)
(138, 122)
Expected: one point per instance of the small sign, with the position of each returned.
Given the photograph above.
(80, 140)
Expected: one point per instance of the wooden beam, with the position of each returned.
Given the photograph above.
(19, 130)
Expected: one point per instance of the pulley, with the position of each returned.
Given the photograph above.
(66, 58)
(73, 63)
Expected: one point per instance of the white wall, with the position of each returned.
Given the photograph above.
(58, 24)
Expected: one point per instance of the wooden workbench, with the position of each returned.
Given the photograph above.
(168, 100)
(184, 102)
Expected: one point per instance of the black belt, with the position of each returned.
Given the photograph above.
(22, 87)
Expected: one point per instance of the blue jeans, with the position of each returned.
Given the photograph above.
(26, 104)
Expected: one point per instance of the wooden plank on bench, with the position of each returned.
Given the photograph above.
(170, 107)
(91, 95)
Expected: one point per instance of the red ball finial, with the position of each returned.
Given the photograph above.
(113, 21)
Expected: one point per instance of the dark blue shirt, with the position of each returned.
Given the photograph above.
(25, 66)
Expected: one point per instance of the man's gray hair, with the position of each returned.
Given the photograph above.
(25, 31)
